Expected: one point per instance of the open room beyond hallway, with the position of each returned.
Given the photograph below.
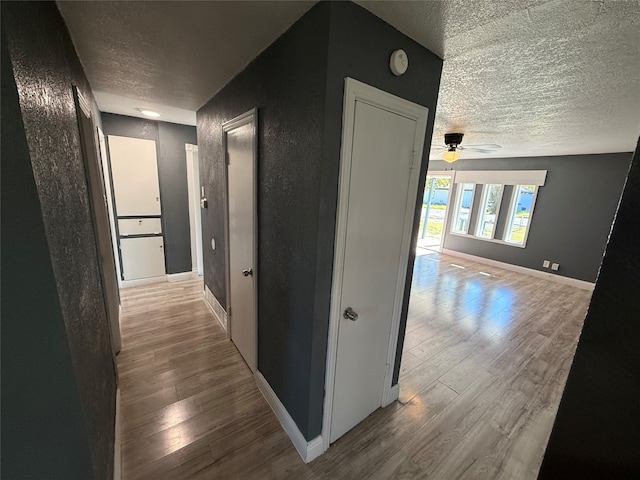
(486, 356)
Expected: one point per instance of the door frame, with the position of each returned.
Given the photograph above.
(98, 207)
(358, 91)
(247, 118)
(195, 220)
(452, 176)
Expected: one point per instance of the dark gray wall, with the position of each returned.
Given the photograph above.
(170, 139)
(572, 215)
(44, 68)
(597, 430)
(297, 84)
(360, 47)
(287, 85)
(42, 428)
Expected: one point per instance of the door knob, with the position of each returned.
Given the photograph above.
(350, 314)
(247, 272)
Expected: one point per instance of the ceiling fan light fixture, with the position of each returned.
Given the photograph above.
(451, 155)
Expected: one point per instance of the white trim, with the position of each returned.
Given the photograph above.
(504, 177)
(218, 310)
(492, 240)
(574, 282)
(143, 281)
(394, 394)
(447, 208)
(458, 200)
(483, 210)
(193, 192)
(117, 443)
(308, 450)
(247, 118)
(178, 277)
(512, 207)
(358, 91)
(104, 162)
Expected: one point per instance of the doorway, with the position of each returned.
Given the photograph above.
(433, 216)
(242, 227)
(382, 145)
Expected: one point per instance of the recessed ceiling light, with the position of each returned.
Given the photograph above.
(149, 113)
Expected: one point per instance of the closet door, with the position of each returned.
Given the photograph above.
(134, 168)
(142, 257)
(134, 171)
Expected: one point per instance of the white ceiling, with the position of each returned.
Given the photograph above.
(538, 77)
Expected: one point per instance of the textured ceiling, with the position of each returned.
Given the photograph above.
(537, 77)
(167, 55)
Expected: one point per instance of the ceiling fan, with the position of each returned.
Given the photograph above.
(452, 147)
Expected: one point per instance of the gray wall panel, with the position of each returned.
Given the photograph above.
(299, 105)
(286, 83)
(45, 67)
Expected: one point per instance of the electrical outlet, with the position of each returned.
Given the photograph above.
(555, 266)
(546, 264)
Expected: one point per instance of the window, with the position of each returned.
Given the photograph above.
(520, 214)
(489, 208)
(464, 200)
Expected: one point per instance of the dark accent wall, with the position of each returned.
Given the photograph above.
(170, 139)
(42, 428)
(287, 85)
(597, 429)
(297, 84)
(360, 46)
(572, 217)
(54, 310)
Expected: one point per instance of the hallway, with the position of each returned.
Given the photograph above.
(485, 360)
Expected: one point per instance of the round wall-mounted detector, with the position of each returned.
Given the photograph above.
(399, 62)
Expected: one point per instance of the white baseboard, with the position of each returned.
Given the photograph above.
(527, 271)
(117, 444)
(307, 450)
(143, 281)
(171, 277)
(178, 277)
(218, 310)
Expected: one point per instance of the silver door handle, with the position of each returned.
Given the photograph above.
(350, 314)
(247, 272)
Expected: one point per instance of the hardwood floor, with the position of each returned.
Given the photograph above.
(485, 360)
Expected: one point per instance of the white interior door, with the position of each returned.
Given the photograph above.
(240, 150)
(134, 167)
(377, 202)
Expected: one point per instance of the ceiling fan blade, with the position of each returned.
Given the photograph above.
(485, 146)
(481, 150)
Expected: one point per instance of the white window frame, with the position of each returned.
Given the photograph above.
(483, 208)
(512, 212)
(459, 192)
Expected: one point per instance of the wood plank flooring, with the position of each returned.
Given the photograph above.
(485, 360)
